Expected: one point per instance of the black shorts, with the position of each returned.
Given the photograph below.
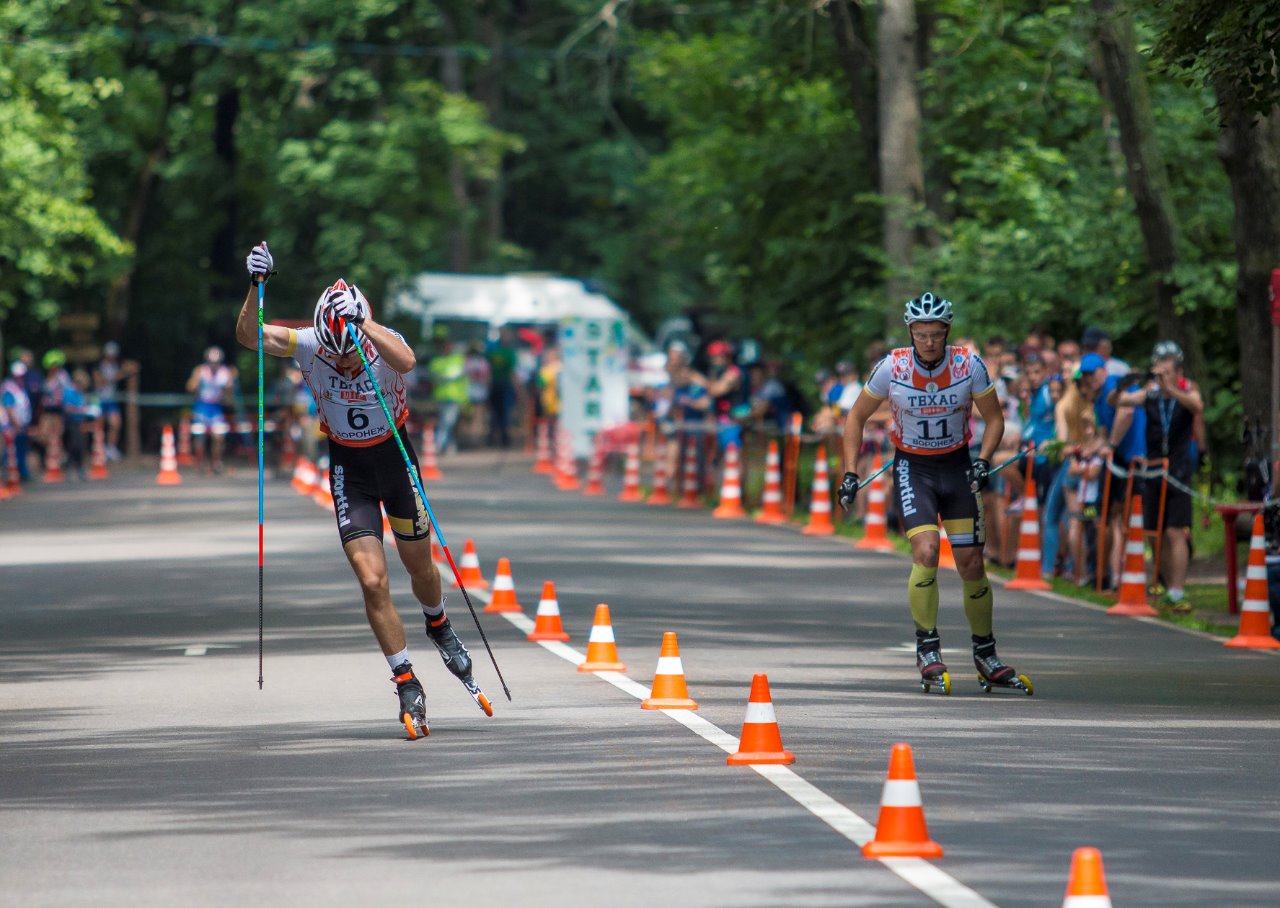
(930, 486)
(1177, 504)
(362, 480)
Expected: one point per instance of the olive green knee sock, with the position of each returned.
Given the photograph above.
(922, 596)
(977, 606)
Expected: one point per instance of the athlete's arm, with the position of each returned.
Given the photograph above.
(992, 413)
(275, 339)
(855, 422)
(394, 351)
(194, 381)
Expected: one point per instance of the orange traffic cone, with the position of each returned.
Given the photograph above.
(387, 533)
(1133, 580)
(185, 457)
(690, 486)
(168, 475)
(470, 568)
(567, 467)
(661, 493)
(504, 590)
(429, 468)
(1086, 886)
(820, 502)
(946, 558)
(1255, 614)
(772, 500)
(53, 460)
(323, 494)
(303, 475)
(761, 741)
(730, 507)
(546, 624)
(98, 465)
(1026, 573)
(900, 830)
(669, 690)
(631, 475)
(875, 524)
(595, 470)
(542, 461)
(602, 650)
(13, 478)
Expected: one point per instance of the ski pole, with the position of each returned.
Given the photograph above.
(866, 482)
(261, 284)
(1014, 459)
(417, 484)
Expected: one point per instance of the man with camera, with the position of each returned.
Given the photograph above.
(1171, 403)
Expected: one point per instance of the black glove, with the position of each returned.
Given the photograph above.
(848, 491)
(979, 474)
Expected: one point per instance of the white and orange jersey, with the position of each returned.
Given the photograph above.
(930, 407)
(349, 410)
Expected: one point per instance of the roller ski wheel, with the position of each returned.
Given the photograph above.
(941, 681)
(413, 702)
(992, 672)
(478, 695)
(457, 659)
(1019, 682)
(933, 672)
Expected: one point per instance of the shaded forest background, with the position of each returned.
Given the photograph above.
(785, 170)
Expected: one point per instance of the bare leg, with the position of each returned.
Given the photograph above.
(424, 576)
(369, 562)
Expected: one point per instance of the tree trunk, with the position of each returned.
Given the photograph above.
(1249, 147)
(120, 293)
(490, 94)
(459, 246)
(1126, 90)
(853, 47)
(901, 171)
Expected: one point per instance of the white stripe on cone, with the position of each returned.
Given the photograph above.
(760, 714)
(601, 633)
(503, 582)
(901, 793)
(669, 665)
(548, 607)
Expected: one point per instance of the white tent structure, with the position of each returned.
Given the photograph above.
(594, 335)
(500, 299)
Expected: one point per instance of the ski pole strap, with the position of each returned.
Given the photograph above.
(888, 463)
(395, 433)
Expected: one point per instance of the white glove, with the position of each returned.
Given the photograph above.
(349, 303)
(260, 262)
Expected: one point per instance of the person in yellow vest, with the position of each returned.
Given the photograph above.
(448, 389)
(549, 386)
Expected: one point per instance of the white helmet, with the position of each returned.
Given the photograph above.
(928, 308)
(331, 329)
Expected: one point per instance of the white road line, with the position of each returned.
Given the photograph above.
(934, 883)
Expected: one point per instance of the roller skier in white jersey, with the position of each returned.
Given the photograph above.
(931, 388)
(366, 469)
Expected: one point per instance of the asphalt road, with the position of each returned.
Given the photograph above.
(141, 765)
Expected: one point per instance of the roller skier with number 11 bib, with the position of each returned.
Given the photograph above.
(367, 471)
(932, 387)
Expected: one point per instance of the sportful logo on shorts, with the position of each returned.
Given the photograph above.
(908, 495)
(340, 503)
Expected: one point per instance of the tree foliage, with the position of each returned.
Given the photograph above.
(702, 157)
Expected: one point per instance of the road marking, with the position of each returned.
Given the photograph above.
(199, 649)
(934, 883)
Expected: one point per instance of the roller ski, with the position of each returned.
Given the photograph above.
(413, 702)
(933, 671)
(994, 673)
(458, 660)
